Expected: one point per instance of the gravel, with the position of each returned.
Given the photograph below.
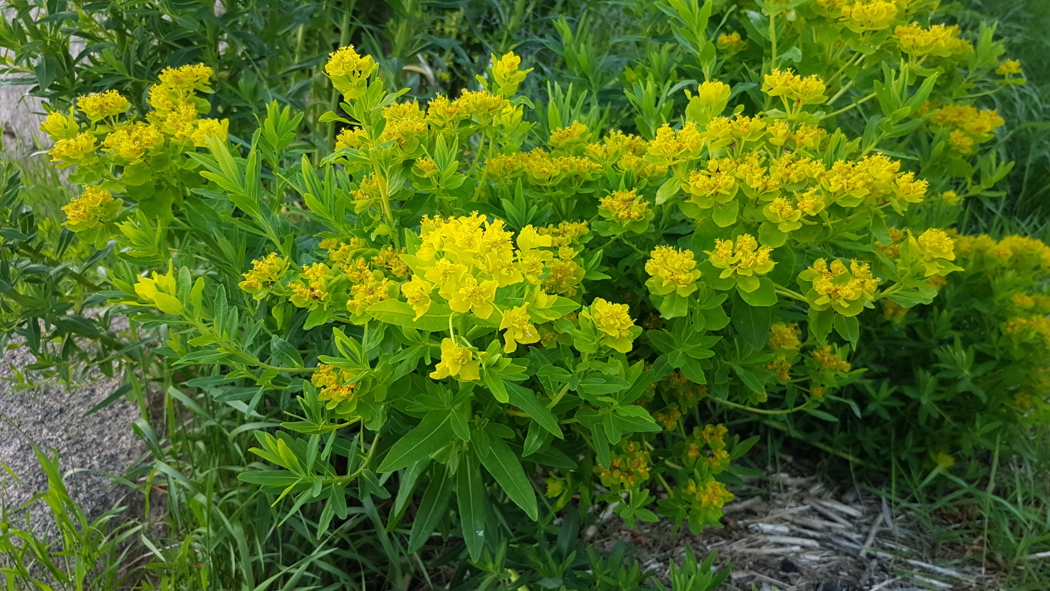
(89, 447)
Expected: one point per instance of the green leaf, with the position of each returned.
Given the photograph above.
(470, 497)
(764, 296)
(431, 509)
(432, 433)
(526, 400)
(848, 327)
(667, 190)
(505, 467)
(283, 354)
(400, 313)
(752, 323)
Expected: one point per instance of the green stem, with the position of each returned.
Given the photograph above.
(791, 294)
(761, 411)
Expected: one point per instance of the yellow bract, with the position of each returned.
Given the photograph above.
(456, 362)
(671, 270)
(518, 327)
(744, 257)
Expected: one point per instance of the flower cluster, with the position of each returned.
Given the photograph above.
(966, 125)
(671, 270)
(95, 207)
(793, 88)
(98, 106)
(846, 290)
(335, 386)
(937, 40)
(744, 260)
(628, 469)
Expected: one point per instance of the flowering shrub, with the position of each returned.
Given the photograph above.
(462, 299)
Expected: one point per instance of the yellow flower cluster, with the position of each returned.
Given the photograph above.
(263, 275)
(571, 139)
(1032, 329)
(625, 207)
(1009, 68)
(966, 125)
(742, 258)
(519, 328)
(59, 126)
(405, 123)
(457, 362)
(785, 337)
(671, 270)
(869, 15)
(1038, 302)
(613, 319)
(628, 468)
(349, 71)
(708, 495)
(541, 169)
(100, 105)
(846, 290)
(794, 88)
(368, 289)
(73, 150)
(672, 147)
(938, 40)
(1017, 252)
(334, 385)
(94, 207)
(874, 180)
(828, 360)
(730, 43)
(176, 109)
(936, 246)
(131, 142)
(311, 288)
(669, 420)
(507, 75)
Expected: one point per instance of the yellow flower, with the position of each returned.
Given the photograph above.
(474, 296)
(333, 385)
(671, 270)
(713, 92)
(625, 207)
(99, 105)
(936, 243)
(207, 128)
(614, 320)
(349, 71)
(264, 275)
(529, 239)
(73, 150)
(94, 208)
(938, 40)
(569, 139)
(869, 15)
(506, 75)
(829, 360)
(457, 362)
(189, 78)
(785, 336)
(519, 328)
(744, 258)
(372, 289)
(311, 289)
(629, 467)
(417, 292)
(846, 290)
(671, 147)
(132, 141)
(792, 87)
(1009, 68)
(345, 62)
(59, 126)
(730, 43)
(708, 495)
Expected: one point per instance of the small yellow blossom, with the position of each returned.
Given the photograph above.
(475, 297)
(333, 385)
(133, 141)
(730, 43)
(59, 126)
(417, 292)
(846, 290)
(207, 128)
(518, 328)
(829, 360)
(785, 337)
(99, 105)
(744, 259)
(456, 361)
(73, 150)
(264, 275)
(1009, 68)
(94, 208)
(671, 271)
